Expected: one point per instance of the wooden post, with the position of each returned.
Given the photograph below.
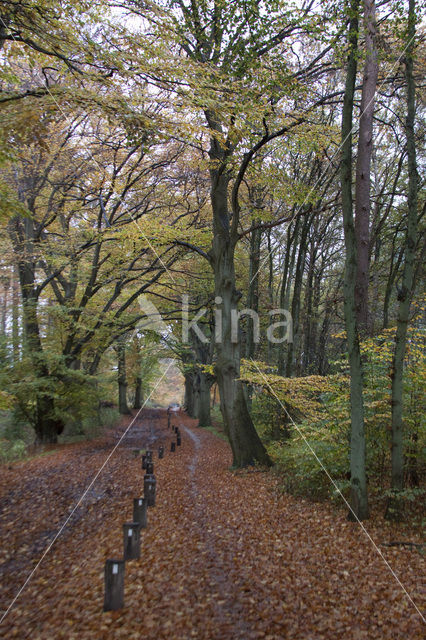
(132, 541)
(173, 446)
(160, 452)
(144, 461)
(139, 511)
(149, 489)
(174, 429)
(148, 455)
(178, 440)
(149, 468)
(114, 585)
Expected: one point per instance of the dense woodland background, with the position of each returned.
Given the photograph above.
(265, 152)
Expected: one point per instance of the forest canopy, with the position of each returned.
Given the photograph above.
(234, 185)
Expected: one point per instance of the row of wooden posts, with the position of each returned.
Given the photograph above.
(115, 569)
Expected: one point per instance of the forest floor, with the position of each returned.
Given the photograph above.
(225, 554)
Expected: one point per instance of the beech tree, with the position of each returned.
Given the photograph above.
(359, 501)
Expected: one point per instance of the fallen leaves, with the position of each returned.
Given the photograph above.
(224, 556)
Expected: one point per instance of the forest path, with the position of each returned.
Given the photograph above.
(224, 556)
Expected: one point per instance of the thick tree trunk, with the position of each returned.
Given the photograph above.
(46, 425)
(246, 445)
(359, 501)
(394, 509)
(362, 181)
(189, 401)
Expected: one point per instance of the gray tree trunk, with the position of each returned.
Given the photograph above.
(394, 509)
(246, 445)
(359, 501)
(362, 180)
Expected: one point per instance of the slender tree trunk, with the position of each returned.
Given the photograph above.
(122, 376)
(322, 341)
(363, 180)
(252, 300)
(359, 501)
(16, 346)
(137, 403)
(253, 289)
(270, 356)
(290, 259)
(308, 313)
(4, 308)
(393, 273)
(394, 509)
(204, 418)
(295, 303)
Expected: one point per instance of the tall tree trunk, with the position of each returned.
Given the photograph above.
(122, 376)
(269, 355)
(253, 289)
(246, 445)
(295, 303)
(252, 300)
(394, 509)
(359, 501)
(363, 180)
(16, 346)
(289, 260)
(309, 320)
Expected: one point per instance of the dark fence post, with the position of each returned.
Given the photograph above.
(173, 446)
(160, 452)
(149, 468)
(148, 455)
(132, 541)
(149, 489)
(178, 440)
(144, 461)
(168, 419)
(139, 511)
(114, 585)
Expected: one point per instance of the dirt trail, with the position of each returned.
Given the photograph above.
(225, 556)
